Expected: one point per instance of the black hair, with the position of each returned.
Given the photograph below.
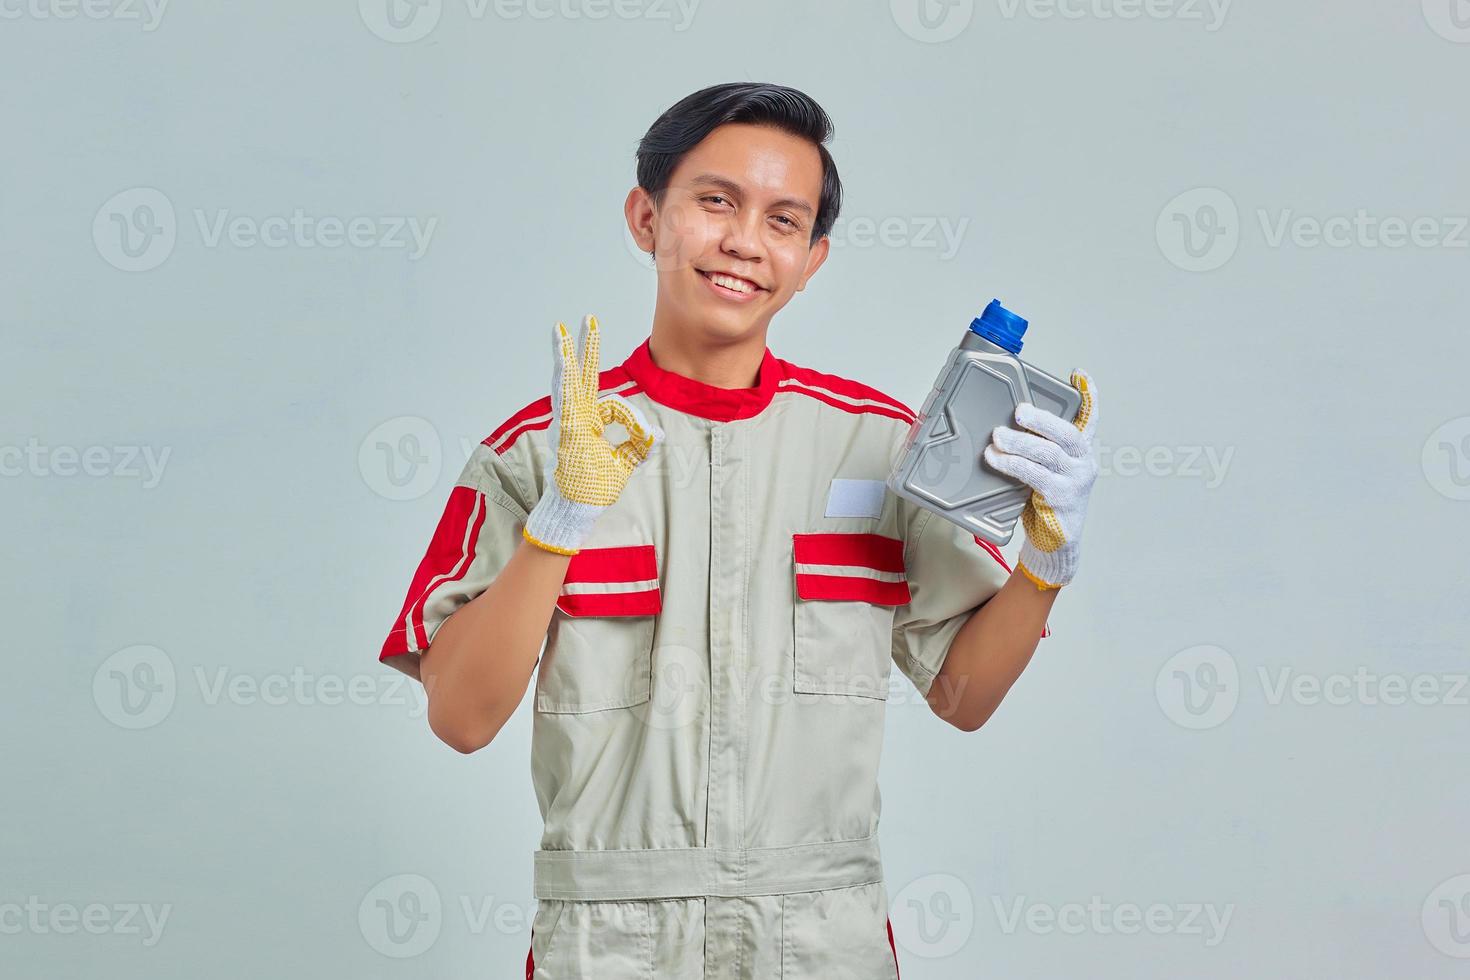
(692, 118)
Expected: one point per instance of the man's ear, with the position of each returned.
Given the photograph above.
(638, 210)
(814, 261)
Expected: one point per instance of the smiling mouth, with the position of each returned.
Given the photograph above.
(733, 284)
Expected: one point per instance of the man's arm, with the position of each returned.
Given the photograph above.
(989, 653)
(478, 667)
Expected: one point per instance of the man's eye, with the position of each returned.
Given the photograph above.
(713, 197)
(782, 217)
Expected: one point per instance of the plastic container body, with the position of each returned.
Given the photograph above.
(940, 467)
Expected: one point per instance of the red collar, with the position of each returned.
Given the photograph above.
(697, 398)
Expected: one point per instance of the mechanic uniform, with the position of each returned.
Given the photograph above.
(709, 703)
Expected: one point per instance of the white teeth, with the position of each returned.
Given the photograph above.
(739, 285)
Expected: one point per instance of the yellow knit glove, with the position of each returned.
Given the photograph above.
(588, 473)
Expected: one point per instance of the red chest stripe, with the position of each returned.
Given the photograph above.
(852, 567)
(621, 581)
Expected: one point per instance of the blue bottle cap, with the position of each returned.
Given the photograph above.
(1000, 326)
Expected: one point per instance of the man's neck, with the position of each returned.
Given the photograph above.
(733, 365)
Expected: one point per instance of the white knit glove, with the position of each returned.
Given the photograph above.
(1054, 459)
(586, 472)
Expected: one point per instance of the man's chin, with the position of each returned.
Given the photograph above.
(724, 325)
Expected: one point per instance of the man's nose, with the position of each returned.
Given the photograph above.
(742, 237)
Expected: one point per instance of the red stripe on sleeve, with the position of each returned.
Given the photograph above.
(447, 559)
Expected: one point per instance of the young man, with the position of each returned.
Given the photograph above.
(722, 594)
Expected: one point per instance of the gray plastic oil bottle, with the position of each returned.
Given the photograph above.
(940, 467)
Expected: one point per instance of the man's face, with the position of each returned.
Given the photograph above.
(741, 203)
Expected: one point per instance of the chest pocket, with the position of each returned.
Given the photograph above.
(847, 588)
(599, 644)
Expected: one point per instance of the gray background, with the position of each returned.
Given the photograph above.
(196, 723)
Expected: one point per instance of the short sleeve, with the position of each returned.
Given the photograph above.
(951, 573)
(478, 531)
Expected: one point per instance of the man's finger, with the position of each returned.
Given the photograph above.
(615, 408)
(563, 367)
(1034, 475)
(591, 355)
(1032, 447)
(1054, 427)
(1087, 414)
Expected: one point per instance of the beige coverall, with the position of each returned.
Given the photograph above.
(709, 704)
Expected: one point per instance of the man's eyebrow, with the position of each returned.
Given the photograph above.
(726, 184)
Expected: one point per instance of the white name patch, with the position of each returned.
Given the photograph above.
(856, 498)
